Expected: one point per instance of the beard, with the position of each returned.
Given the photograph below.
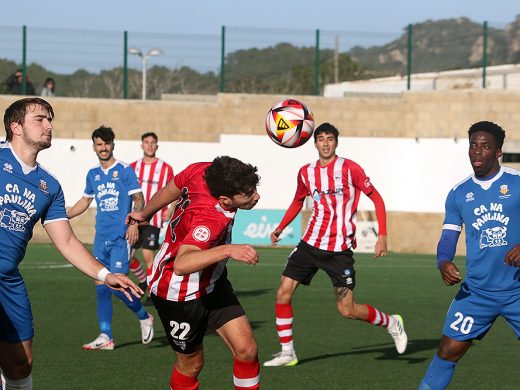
(38, 145)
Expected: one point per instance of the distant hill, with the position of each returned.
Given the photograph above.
(287, 69)
(443, 45)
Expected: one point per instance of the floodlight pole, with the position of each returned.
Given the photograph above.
(144, 57)
(143, 93)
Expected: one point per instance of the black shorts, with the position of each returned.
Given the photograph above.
(185, 323)
(305, 260)
(148, 237)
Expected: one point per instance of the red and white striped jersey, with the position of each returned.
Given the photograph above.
(335, 190)
(152, 177)
(198, 220)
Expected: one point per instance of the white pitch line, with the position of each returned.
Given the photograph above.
(50, 266)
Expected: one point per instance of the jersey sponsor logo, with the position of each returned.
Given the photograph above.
(470, 196)
(13, 219)
(493, 237)
(492, 213)
(317, 194)
(201, 233)
(15, 195)
(109, 204)
(8, 168)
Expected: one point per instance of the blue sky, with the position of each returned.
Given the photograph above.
(207, 16)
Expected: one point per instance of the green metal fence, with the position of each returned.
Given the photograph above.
(247, 60)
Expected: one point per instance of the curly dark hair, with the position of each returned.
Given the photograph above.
(228, 176)
(16, 113)
(105, 133)
(489, 127)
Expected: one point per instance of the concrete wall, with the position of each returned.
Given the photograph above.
(445, 114)
(437, 114)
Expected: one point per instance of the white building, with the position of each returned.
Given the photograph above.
(506, 77)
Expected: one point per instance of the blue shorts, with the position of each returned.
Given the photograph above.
(16, 320)
(472, 313)
(114, 255)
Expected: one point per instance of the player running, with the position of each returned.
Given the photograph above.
(335, 185)
(488, 205)
(28, 194)
(188, 283)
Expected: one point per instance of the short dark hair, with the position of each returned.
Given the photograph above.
(326, 128)
(16, 113)
(489, 127)
(105, 133)
(227, 176)
(150, 134)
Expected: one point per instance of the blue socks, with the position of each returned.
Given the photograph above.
(439, 374)
(104, 309)
(136, 306)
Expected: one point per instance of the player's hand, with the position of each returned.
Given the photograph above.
(132, 234)
(134, 218)
(449, 273)
(381, 248)
(275, 236)
(123, 284)
(513, 257)
(244, 253)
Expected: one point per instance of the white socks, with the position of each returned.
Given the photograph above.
(18, 384)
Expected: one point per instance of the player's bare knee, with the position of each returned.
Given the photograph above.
(19, 369)
(452, 350)
(247, 352)
(283, 296)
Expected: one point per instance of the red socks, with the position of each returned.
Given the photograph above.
(246, 375)
(180, 381)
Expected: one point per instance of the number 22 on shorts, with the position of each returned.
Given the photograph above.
(179, 331)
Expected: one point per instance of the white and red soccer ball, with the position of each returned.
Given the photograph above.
(289, 123)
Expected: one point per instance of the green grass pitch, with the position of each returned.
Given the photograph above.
(334, 353)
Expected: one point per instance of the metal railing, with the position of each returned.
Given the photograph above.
(250, 60)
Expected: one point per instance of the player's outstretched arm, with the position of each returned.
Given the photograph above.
(191, 258)
(449, 273)
(163, 197)
(73, 250)
(513, 256)
(80, 207)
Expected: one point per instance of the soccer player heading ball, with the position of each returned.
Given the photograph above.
(488, 204)
(335, 185)
(188, 284)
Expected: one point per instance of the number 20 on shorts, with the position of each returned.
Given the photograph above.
(462, 324)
